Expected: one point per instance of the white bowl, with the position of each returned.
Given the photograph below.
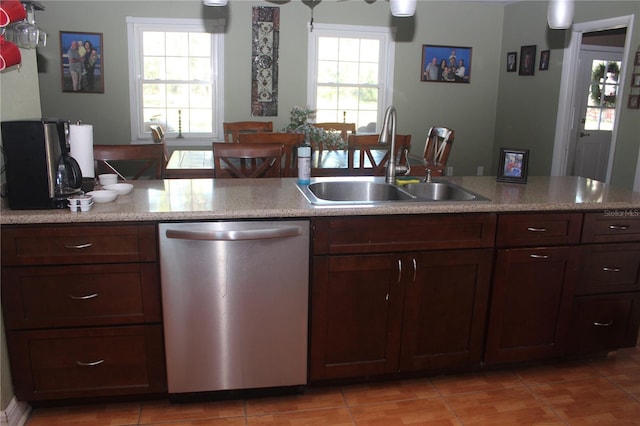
(108, 179)
(120, 188)
(103, 196)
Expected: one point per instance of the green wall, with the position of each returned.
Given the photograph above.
(527, 106)
(19, 98)
(468, 108)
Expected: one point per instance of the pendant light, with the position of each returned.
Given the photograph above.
(560, 14)
(215, 2)
(403, 8)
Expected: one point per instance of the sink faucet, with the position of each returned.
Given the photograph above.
(389, 131)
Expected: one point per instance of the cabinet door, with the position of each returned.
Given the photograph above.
(532, 294)
(604, 322)
(355, 315)
(445, 310)
(87, 362)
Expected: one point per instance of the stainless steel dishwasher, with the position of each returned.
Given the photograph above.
(235, 303)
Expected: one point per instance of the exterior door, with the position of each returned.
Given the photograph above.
(597, 89)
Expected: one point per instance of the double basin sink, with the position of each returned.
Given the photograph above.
(330, 191)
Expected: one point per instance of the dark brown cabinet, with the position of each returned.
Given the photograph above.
(606, 308)
(533, 286)
(383, 313)
(82, 310)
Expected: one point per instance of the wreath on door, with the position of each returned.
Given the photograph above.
(598, 77)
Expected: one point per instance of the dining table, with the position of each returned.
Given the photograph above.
(198, 163)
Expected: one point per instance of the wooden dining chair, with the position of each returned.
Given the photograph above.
(232, 130)
(157, 134)
(130, 161)
(291, 142)
(345, 129)
(437, 148)
(247, 160)
(367, 148)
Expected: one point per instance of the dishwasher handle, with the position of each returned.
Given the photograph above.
(235, 235)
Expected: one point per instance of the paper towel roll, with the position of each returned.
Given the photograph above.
(81, 141)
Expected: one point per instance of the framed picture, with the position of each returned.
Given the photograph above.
(445, 64)
(527, 60)
(513, 165)
(81, 62)
(637, 60)
(544, 60)
(635, 80)
(634, 102)
(512, 61)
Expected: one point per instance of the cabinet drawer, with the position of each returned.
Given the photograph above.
(372, 234)
(56, 245)
(67, 296)
(612, 226)
(87, 362)
(538, 229)
(609, 268)
(605, 322)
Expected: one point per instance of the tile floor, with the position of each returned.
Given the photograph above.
(597, 392)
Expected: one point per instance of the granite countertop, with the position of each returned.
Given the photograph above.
(205, 199)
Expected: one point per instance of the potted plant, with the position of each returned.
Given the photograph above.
(314, 136)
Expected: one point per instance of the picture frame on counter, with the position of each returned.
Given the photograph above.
(527, 60)
(81, 62)
(445, 64)
(513, 165)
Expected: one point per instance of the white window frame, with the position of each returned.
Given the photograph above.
(387, 58)
(135, 27)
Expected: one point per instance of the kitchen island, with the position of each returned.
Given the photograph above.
(210, 199)
(539, 271)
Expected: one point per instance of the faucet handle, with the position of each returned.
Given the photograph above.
(405, 168)
(428, 177)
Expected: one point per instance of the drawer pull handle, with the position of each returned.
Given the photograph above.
(90, 364)
(88, 296)
(619, 227)
(607, 269)
(79, 246)
(603, 324)
(399, 271)
(532, 229)
(539, 256)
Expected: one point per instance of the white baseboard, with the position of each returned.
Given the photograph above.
(16, 413)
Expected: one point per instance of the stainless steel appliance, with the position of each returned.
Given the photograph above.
(235, 304)
(40, 172)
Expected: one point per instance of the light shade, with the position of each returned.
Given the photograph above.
(215, 2)
(403, 8)
(560, 14)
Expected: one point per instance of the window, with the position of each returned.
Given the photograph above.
(350, 74)
(601, 102)
(176, 78)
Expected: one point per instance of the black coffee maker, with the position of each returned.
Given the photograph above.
(40, 172)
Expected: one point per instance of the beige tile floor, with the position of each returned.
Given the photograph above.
(597, 392)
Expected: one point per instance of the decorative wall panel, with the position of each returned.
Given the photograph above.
(264, 64)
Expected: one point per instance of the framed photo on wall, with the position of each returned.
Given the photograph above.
(513, 165)
(527, 60)
(81, 62)
(634, 102)
(544, 60)
(635, 80)
(445, 64)
(512, 61)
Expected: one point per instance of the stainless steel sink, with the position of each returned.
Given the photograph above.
(442, 191)
(358, 192)
(371, 191)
